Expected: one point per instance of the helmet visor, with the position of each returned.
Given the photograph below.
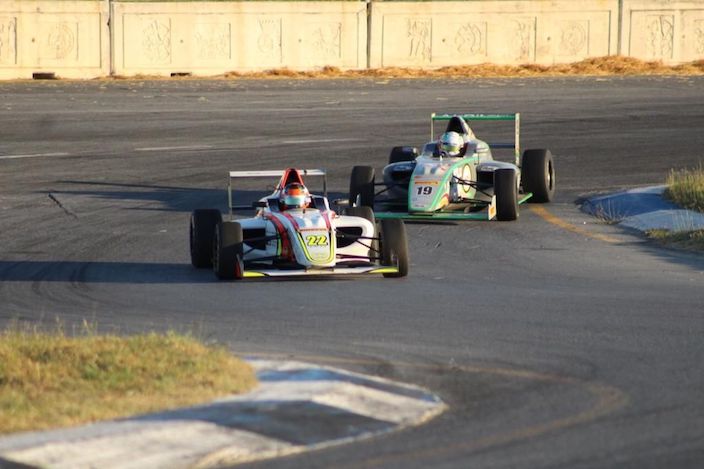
(298, 200)
(450, 148)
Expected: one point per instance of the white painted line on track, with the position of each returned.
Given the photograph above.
(189, 147)
(321, 140)
(36, 155)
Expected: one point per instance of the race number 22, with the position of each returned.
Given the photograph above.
(317, 240)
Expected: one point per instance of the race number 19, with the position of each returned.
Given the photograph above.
(425, 190)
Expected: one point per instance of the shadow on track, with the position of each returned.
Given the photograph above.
(173, 198)
(102, 272)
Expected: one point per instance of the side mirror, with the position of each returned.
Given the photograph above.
(260, 204)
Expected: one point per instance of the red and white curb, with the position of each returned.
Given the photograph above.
(296, 407)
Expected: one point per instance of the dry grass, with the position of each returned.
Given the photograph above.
(610, 65)
(686, 188)
(51, 380)
(614, 65)
(687, 240)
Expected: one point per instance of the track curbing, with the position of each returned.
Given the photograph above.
(297, 407)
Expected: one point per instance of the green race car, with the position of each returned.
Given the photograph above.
(456, 177)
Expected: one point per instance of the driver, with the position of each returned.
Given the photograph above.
(451, 144)
(293, 196)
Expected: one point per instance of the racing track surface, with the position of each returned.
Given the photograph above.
(555, 346)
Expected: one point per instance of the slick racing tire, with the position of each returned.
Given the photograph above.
(394, 246)
(506, 191)
(227, 251)
(201, 235)
(538, 175)
(362, 186)
(399, 154)
(366, 213)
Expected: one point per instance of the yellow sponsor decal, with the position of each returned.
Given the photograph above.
(432, 182)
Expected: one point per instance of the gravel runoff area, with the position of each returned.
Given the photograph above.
(296, 407)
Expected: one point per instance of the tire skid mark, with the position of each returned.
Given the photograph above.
(61, 206)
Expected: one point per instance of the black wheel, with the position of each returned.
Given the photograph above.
(538, 175)
(362, 186)
(399, 154)
(227, 251)
(201, 233)
(506, 191)
(394, 246)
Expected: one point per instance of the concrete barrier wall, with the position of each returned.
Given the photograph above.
(665, 30)
(427, 34)
(67, 38)
(216, 37)
(74, 39)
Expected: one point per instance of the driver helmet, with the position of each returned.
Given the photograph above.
(295, 195)
(451, 143)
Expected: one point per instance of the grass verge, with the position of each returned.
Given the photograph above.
(687, 240)
(52, 380)
(686, 188)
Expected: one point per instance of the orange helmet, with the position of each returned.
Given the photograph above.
(295, 195)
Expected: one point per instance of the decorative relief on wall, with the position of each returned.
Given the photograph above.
(269, 38)
(8, 40)
(574, 38)
(470, 39)
(59, 41)
(699, 36)
(660, 32)
(418, 34)
(324, 40)
(213, 41)
(156, 40)
(521, 40)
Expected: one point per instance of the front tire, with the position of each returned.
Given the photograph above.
(227, 251)
(394, 246)
(506, 191)
(538, 175)
(201, 235)
(362, 186)
(399, 154)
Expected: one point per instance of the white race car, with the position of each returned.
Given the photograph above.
(286, 240)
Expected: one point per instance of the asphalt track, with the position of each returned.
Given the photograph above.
(557, 341)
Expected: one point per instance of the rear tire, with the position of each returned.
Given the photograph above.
(201, 234)
(506, 191)
(394, 246)
(538, 175)
(227, 251)
(362, 186)
(399, 154)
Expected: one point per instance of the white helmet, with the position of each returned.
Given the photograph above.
(451, 143)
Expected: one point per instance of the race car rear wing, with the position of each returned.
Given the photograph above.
(515, 145)
(266, 174)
